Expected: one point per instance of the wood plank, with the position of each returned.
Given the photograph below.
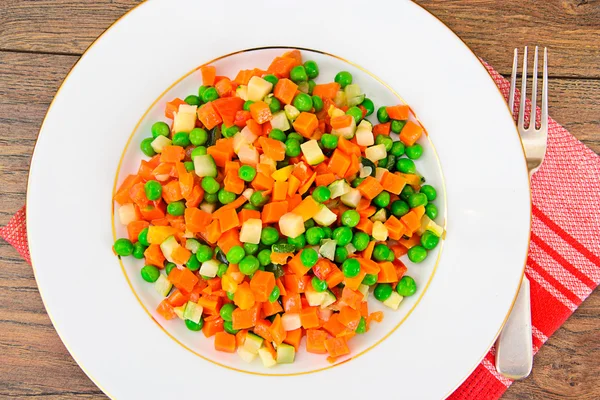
(568, 27)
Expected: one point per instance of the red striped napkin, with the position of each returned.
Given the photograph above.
(564, 256)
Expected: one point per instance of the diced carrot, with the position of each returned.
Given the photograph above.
(245, 319)
(369, 266)
(240, 337)
(269, 347)
(181, 255)
(177, 298)
(305, 124)
(172, 107)
(244, 297)
(322, 268)
(352, 298)
(224, 88)
(335, 277)
(172, 154)
(272, 148)
(400, 269)
(304, 188)
(261, 112)
(382, 129)
(261, 328)
(292, 303)
(285, 90)
(349, 317)
(334, 326)
(154, 256)
(271, 308)
(337, 347)
(134, 228)
(412, 221)
(262, 284)
(194, 199)
(186, 183)
(213, 327)
(339, 163)
(411, 242)
(393, 183)
(209, 116)
(327, 90)
(220, 156)
(225, 342)
(294, 184)
(227, 107)
(395, 227)
(294, 201)
(282, 66)
(387, 274)
(263, 182)
(246, 214)
(273, 211)
(399, 112)
(341, 121)
(293, 338)
(280, 190)
(399, 250)
(411, 133)
(210, 304)
(354, 167)
(166, 310)
(233, 183)
(208, 75)
(122, 195)
(277, 331)
(241, 118)
(243, 77)
(196, 220)
(172, 192)
(138, 195)
(354, 283)
(229, 239)
(324, 179)
(309, 318)
(365, 225)
(315, 341)
(213, 231)
(296, 266)
(368, 252)
(295, 54)
(308, 208)
(419, 211)
(370, 187)
(228, 219)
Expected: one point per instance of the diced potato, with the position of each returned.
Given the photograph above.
(428, 225)
(364, 134)
(340, 99)
(291, 225)
(335, 112)
(185, 119)
(352, 198)
(364, 289)
(258, 88)
(268, 161)
(266, 358)
(168, 246)
(325, 216)
(380, 231)
(327, 249)
(243, 137)
(209, 268)
(160, 143)
(393, 301)
(376, 153)
(127, 214)
(291, 113)
(248, 155)
(314, 298)
(246, 355)
(242, 92)
(251, 230)
(208, 207)
(312, 152)
(379, 172)
(280, 121)
(291, 321)
(247, 193)
(347, 132)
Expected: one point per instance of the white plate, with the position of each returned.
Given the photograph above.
(99, 105)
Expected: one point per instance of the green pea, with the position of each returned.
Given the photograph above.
(150, 273)
(201, 90)
(258, 199)
(321, 194)
(269, 235)
(198, 151)
(264, 257)
(193, 264)
(431, 210)
(351, 268)
(250, 206)
(274, 294)
(271, 78)
(193, 100)
(222, 270)
(299, 241)
(228, 327)
(247, 173)
(277, 134)
(417, 254)
(312, 69)
(198, 136)
(382, 199)
(406, 287)
(189, 166)
(383, 291)
(227, 311)
(341, 254)
(211, 198)
(329, 141)
(146, 147)
(309, 223)
(429, 240)
(192, 326)
(298, 74)
(416, 200)
(250, 248)
(320, 285)
(226, 197)
(169, 267)
(204, 253)
(397, 149)
(414, 152)
(160, 129)
(351, 218)
(361, 327)
(400, 208)
(327, 233)
(303, 102)
(247, 104)
(314, 235)
(429, 191)
(248, 265)
(344, 78)
(391, 256)
(235, 254)
(368, 105)
(382, 115)
(342, 235)
(138, 250)
(357, 181)
(317, 103)
(406, 166)
(210, 185)
(360, 241)
(143, 237)
(356, 113)
(292, 147)
(370, 279)
(397, 126)
(230, 131)
(381, 252)
(153, 190)
(176, 208)
(311, 87)
(230, 295)
(210, 94)
(407, 191)
(309, 257)
(274, 104)
(294, 135)
(386, 141)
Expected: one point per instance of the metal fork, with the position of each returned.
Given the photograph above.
(514, 348)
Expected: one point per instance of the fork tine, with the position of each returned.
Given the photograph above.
(523, 91)
(513, 82)
(544, 121)
(533, 116)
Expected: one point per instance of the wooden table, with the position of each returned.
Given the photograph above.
(41, 40)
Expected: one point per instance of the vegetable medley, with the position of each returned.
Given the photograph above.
(269, 207)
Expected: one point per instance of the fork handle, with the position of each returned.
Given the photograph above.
(514, 348)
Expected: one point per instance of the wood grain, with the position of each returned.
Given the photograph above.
(44, 39)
